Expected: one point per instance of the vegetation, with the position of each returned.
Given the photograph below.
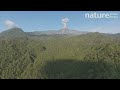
(89, 56)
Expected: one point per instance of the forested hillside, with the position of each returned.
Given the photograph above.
(88, 56)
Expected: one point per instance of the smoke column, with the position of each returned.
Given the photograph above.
(64, 22)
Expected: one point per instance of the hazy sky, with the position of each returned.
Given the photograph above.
(51, 20)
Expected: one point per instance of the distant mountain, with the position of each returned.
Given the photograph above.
(73, 32)
(14, 32)
(116, 35)
(49, 32)
(18, 32)
(54, 32)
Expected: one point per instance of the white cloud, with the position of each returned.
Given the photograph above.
(10, 24)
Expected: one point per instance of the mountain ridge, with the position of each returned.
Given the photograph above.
(18, 32)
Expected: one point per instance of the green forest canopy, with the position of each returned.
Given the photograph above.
(89, 56)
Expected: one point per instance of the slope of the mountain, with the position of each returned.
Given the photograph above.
(13, 33)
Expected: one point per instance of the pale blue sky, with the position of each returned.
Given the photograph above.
(51, 20)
